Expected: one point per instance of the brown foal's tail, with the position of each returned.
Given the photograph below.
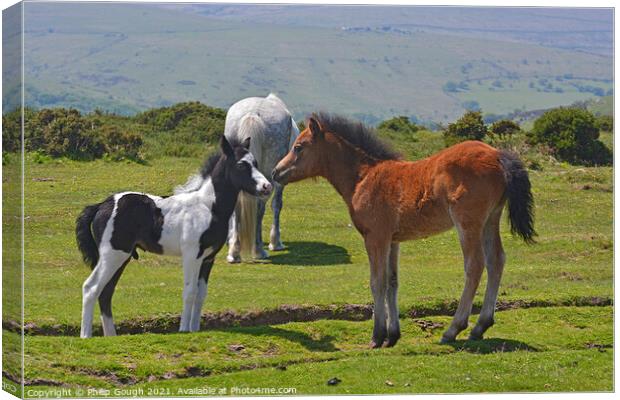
(519, 195)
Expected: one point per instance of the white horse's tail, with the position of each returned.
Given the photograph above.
(251, 126)
(294, 133)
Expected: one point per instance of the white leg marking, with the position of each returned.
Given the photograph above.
(108, 326)
(191, 272)
(197, 307)
(109, 262)
(234, 247)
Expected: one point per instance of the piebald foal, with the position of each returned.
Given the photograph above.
(391, 201)
(192, 224)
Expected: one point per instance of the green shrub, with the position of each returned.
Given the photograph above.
(400, 124)
(11, 131)
(469, 127)
(504, 128)
(194, 118)
(572, 134)
(121, 144)
(61, 132)
(605, 123)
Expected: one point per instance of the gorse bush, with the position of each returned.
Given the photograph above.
(469, 127)
(572, 134)
(11, 131)
(504, 128)
(605, 123)
(398, 128)
(206, 123)
(400, 124)
(61, 132)
(181, 130)
(121, 144)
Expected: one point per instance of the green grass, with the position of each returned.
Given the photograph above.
(325, 264)
(517, 94)
(550, 345)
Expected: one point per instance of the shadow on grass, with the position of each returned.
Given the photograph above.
(488, 346)
(323, 344)
(311, 254)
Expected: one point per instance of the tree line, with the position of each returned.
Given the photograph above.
(569, 133)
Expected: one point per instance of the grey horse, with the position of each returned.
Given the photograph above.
(273, 131)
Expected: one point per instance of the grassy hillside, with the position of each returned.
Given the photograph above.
(126, 57)
(586, 30)
(561, 342)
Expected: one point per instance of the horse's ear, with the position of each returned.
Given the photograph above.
(246, 143)
(226, 147)
(315, 127)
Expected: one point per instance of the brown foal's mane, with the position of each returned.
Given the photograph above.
(358, 135)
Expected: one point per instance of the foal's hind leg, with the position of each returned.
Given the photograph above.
(109, 263)
(234, 246)
(378, 251)
(105, 302)
(471, 245)
(275, 243)
(393, 331)
(494, 259)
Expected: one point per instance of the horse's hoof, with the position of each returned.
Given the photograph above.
(261, 255)
(276, 247)
(475, 337)
(446, 340)
(233, 259)
(374, 345)
(391, 341)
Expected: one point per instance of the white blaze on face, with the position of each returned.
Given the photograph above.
(257, 177)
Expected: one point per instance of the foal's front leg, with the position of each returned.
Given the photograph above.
(234, 246)
(378, 250)
(203, 281)
(191, 273)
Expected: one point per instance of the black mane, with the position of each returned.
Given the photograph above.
(359, 135)
(209, 164)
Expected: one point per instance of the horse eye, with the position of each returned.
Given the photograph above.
(297, 149)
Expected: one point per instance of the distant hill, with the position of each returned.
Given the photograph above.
(369, 63)
(584, 29)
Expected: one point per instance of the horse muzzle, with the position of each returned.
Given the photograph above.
(264, 190)
(280, 176)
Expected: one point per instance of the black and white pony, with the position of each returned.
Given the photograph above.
(269, 124)
(192, 224)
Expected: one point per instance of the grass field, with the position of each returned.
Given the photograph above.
(527, 94)
(555, 332)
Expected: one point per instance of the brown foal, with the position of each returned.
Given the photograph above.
(391, 200)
